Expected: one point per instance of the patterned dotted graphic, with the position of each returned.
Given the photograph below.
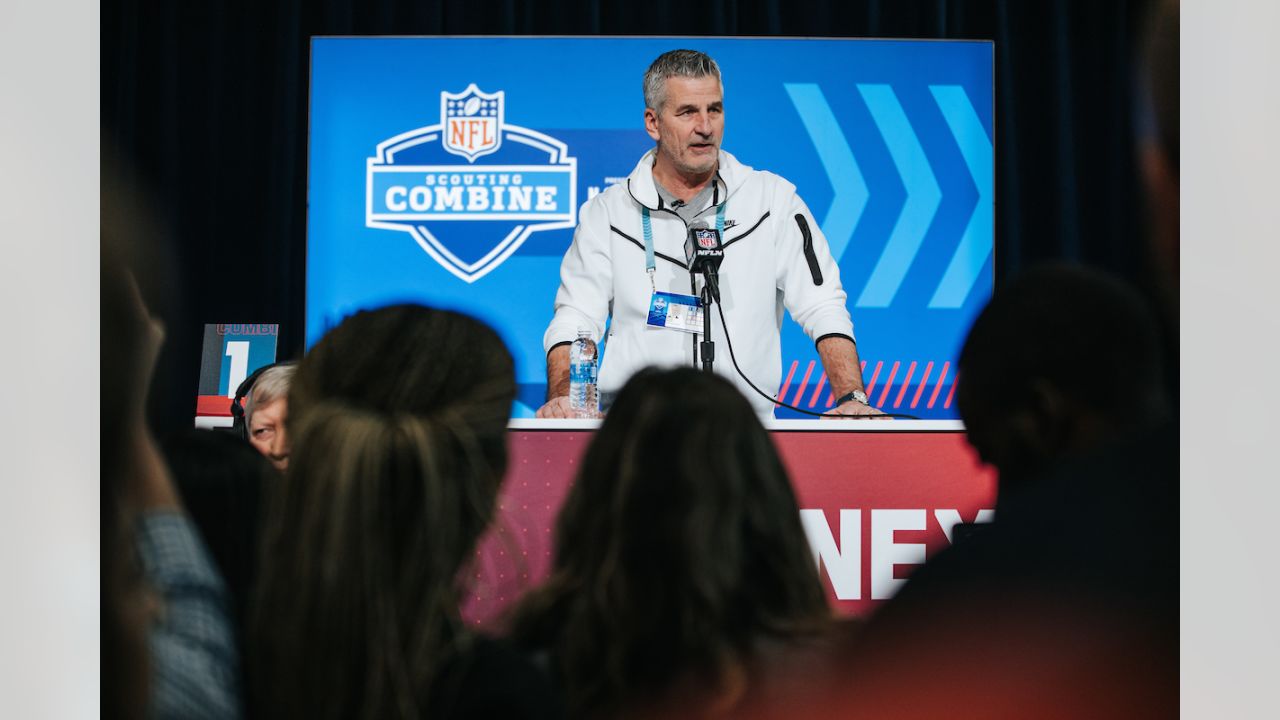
(472, 107)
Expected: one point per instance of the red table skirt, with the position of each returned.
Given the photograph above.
(876, 499)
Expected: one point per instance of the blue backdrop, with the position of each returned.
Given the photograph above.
(424, 188)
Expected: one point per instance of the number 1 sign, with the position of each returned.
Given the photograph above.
(231, 352)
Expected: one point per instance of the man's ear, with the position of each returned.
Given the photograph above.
(651, 123)
(1050, 426)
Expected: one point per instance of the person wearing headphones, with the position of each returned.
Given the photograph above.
(266, 405)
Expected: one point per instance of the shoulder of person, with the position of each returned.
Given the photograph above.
(608, 202)
(597, 212)
(778, 185)
(766, 182)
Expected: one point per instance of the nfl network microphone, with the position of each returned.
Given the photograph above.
(703, 253)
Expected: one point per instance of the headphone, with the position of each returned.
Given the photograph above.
(239, 425)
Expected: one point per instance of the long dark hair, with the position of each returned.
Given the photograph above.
(397, 419)
(677, 550)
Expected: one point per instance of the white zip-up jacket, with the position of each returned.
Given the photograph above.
(775, 257)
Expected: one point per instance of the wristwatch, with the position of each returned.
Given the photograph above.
(855, 395)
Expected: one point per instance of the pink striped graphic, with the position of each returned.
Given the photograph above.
(885, 393)
(871, 386)
(822, 380)
(923, 381)
(800, 388)
(822, 393)
(911, 370)
(941, 379)
(782, 391)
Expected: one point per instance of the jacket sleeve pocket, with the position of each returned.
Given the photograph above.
(809, 256)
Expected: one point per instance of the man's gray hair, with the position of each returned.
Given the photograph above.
(270, 386)
(676, 63)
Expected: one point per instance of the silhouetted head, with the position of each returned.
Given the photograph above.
(398, 423)
(678, 548)
(1062, 360)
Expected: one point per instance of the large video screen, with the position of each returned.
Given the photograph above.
(889, 143)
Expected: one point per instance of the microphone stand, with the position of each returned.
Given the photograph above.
(707, 348)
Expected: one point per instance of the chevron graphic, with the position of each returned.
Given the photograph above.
(975, 245)
(923, 196)
(849, 187)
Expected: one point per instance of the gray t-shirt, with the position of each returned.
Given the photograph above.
(687, 211)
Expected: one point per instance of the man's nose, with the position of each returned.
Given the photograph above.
(280, 444)
(703, 125)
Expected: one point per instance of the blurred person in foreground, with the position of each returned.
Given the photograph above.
(1066, 605)
(266, 408)
(682, 584)
(1076, 452)
(398, 420)
(168, 645)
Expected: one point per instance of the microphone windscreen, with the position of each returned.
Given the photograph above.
(701, 241)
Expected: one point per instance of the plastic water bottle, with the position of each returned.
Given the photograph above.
(582, 377)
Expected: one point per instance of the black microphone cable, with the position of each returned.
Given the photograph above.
(776, 401)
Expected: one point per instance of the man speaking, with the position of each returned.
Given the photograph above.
(627, 258)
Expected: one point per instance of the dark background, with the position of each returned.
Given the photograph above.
(205, 107)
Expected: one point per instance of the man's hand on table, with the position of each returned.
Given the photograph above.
(839, 357)
(555, 408)
(853, 408)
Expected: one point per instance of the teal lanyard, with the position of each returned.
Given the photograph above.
(649, 264)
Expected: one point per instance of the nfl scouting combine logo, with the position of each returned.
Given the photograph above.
(471, 216)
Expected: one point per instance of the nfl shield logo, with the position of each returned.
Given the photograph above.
(471, 216)
(472, 122)
(707, 239)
